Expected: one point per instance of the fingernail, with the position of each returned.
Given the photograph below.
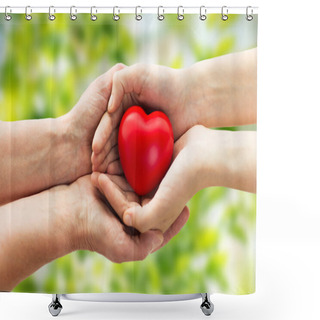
(110, 102)
(127, 219)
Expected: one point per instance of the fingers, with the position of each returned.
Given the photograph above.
(172, 195)
(122, 183)
(138, 248)
(149, 242)
(102, 133)
(94, 178)
(112, 156)
(109, 153)
(105, 138)
(127, 80)
(153, 240)
(101, 161)
(117, 191)
(108, 124)
(118, 246)
(154, 215)
(103, 83)
(95, 181)
(115, 168)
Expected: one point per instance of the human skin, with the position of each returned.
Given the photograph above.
(51, 152)
(38, 229)
(48, 206)
(217, 92)
(201, 158)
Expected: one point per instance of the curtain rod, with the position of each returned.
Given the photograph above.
(128, 10)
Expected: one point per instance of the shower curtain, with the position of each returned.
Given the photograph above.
(128, 154)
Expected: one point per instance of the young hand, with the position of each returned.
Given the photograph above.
(159, 211)
(201, 158)
(217, 92)
(152, 86)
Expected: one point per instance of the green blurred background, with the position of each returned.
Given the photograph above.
(44, 68)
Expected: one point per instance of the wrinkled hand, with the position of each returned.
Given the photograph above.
(100, 230)
(184, 178)
(151, 86)
(82, 121)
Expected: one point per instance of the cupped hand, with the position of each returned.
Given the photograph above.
(152, 87)
(156, 88)
(99, 229)
(83, 119)
(160, 210)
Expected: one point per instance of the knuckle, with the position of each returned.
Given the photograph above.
(140, 66)
(97, 83)
(119, 66)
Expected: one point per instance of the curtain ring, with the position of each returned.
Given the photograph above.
(28, 15)
(160, 16)
(116, 17)
(249, 17)
(51, 16)
(138, 16)
(180, 15)
(93, 16)
(224, 13)
(203, 13)
(73, 16)
(6, 15)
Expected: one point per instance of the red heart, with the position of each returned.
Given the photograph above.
(145, 145)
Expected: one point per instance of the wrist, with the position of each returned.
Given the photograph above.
(215, 165)
(230, 161)
(67, 228)
(198, 145)
(196, 94)
(207, 92)
(208, 166)
(75, 154)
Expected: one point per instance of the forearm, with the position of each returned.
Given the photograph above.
(223, 90)
(230, 160)
(35, 155)
(33, 232)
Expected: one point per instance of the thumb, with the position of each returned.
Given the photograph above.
(175, 190)
(159, 213)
